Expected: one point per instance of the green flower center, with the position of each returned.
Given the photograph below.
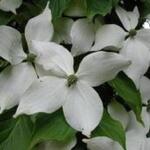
(132, 33)
(72, 79)
(31, 57)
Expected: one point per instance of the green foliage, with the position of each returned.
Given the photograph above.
(24, 134)
(111, 128)
(126, 89)
(15, 134)
(92, 7)
(145, 6)
(58, 6)
(5, 17)
(51, 127)
(101, 7)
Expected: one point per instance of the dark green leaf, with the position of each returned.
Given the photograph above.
(110, 128)
(126, 89)
(115, 2)
(101, 7)
(15, 134)
(57, 7)
(145, 8)
(51, 127)
(5, 17)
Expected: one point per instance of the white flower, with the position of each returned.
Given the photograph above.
(83, 35)
(15, 79)
(134, 44)
(145, 89)
(79, 33)
(82, 106)
(10, 5)
(135, 133)
(135, 137)
(102, 143)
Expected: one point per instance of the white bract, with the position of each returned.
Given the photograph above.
(82, 106)
(135, 133)
(135, 137)
(101, 143)
(145, 89)
(83, 35)
(134, 44)
(16, 79)
(10, 5)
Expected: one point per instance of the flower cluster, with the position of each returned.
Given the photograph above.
(46, 77)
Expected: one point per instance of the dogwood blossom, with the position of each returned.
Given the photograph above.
(15, 79)
(82, 106)
(134, 43)
(135, 133)
(10, 5)
(135, 137)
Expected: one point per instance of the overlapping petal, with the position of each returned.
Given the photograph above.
(40, 28)
(11, 45)
(14, 81)
(82, 35)
(83, 108)
(145, 89)
(46, 94)
(102, 143)
(109, 36)
(138, 53)
(53, 57)
(137, 141)
(129, 19)
(100, 67)
(143, 35)
(10, 5)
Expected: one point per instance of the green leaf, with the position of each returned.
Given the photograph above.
(5, 17)
(111, 128)
(15, 134)
(126, 89)
(115, 2)
(51, 127)
(58, 6)
(101, 7)
(145, 8)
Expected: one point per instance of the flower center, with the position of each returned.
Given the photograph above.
(132, 33)
(72, 79)
(31, 57)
